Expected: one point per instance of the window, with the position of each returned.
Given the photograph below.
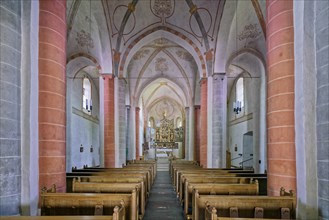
(86, 97)
(240, 92)
(178, 122)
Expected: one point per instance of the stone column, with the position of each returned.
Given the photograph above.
(186, 132)
(10, 107)
(322, 104)
(219, 103)
(128, 149)
(197, 133)
(109, 136)
(203, 122)
(281, 154)
(52, 110)
(137, 111)
(122, 120)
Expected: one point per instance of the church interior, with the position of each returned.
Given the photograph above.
(142, 91)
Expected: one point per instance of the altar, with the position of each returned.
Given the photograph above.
(165, 140)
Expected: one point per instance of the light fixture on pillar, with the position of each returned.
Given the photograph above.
(237, 107)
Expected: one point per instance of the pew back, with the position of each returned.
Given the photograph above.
(87, 204)
(243, 205)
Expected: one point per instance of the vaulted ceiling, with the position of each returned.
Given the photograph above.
(164, 47)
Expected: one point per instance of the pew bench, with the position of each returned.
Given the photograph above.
(217, 189)
(275, 207)
(101, 187)
(119, 170)
(54, 204)
(210, 171)
(117, 174)
(189, 178)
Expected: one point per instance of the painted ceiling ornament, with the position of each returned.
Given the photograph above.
(141, 54)
(161, 42)
(161, 64)
(250, 31)
(163, 8)
(184, 55)
(84, 39)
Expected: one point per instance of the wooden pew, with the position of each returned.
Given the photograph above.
(111, 179)
(143, 165)
(183, 165)
(262, 181)
(182, 183)
(153, 162)
(101, 187)
(217, 188)
(118, 174)
(119, 170)
(244, 206)
(88, 204)
(211, 171)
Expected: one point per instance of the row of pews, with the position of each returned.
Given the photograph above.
(219, 194)
(95, 193)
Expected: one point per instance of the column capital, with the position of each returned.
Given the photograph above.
(138, 109)
(197, 107)
(217, 76)
(107, 76)
(203, 80)
(128, 107)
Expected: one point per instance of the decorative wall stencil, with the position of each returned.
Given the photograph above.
(84, 39)
(141, 54)
(162, 8)
(161, 64)
(250, 31)
(184, 55)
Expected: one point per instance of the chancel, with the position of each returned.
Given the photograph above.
(164, 109)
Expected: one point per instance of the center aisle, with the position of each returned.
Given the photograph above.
(163, 203)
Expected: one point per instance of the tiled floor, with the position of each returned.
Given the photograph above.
(163, 203)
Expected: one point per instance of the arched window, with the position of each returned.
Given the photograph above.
(86, 96)
(240, 92)
(151, 122)
(178, 122)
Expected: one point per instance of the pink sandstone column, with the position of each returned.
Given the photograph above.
(52, 115)
(203, 122)
(137, 131)
(109, 137)
(281, 154)
(197, 133)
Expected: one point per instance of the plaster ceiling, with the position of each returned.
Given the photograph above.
(161, 46)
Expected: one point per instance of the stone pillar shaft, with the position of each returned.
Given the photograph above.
(109, 135)
(203, 122)
(137, 111)
(52, 89)
(196, 133)
(281, 154)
